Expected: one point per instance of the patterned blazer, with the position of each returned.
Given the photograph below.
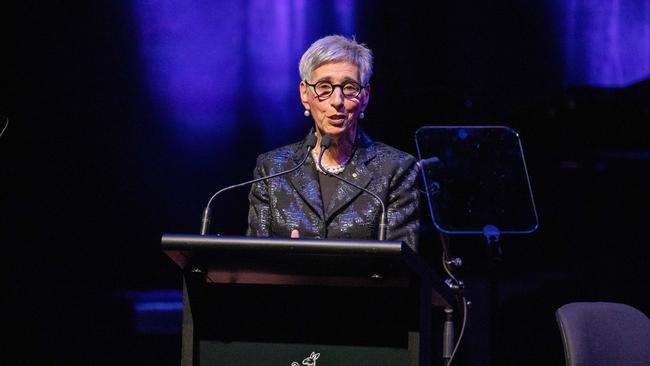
(293, 201)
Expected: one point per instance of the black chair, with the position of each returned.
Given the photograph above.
(604, 333)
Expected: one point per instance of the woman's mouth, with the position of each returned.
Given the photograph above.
(337, 119)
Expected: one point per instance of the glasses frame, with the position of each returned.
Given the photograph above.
(334, 86)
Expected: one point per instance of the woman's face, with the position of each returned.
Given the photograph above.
(336, 115)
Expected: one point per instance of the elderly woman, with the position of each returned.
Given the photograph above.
(312, 203)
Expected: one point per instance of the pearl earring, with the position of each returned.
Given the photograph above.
(362, 115)
(307, 113)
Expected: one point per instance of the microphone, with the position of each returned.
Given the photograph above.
(427, 167)
(324, 144)
(207, 214)
(428, 162)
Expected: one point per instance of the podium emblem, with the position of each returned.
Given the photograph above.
(309, 361)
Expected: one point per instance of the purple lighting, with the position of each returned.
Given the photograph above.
(345, 13)
(187, 52)
(212, 65)
(607, 42)
(156, 311)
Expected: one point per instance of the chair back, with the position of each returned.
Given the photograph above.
(604, 333)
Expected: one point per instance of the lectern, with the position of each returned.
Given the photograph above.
(272, 301)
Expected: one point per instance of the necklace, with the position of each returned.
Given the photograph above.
(331, 168)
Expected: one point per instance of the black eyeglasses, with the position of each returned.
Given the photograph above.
(324, 89)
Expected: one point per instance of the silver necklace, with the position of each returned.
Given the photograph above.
(331, 168)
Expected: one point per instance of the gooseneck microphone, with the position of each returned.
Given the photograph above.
(324, 144)
(310, 143)
(432, 161)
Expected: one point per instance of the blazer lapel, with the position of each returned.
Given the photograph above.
(357, 173)
(305, 182)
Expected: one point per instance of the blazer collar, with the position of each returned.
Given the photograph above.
(305, 179)
(356, 172)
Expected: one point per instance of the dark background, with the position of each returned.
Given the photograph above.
(90, 179)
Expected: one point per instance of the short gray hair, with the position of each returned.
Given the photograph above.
(337, 48)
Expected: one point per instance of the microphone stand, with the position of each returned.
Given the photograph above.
(325, 143)
(207, 212)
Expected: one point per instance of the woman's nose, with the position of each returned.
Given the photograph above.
(337, 98)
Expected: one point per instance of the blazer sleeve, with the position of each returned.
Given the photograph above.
(259, 211)
(403, 209)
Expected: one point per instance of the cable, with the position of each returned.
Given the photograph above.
(446, 268)
(445, 255)
(462, 331)
(445, 265)
(5, 128)
(446, 261)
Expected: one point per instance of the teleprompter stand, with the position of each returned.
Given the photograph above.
(279, 301)
(476, 183)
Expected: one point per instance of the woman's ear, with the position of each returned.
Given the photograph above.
(365, 98)
(304, 97)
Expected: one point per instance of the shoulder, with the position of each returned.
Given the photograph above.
(388, 157)
(278, 158)
(383, 154)
(387, 152)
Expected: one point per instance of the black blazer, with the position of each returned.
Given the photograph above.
(293, 201)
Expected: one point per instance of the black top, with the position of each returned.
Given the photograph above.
(327, 187)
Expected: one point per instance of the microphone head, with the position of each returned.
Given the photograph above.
(432, 162)
(325, 141)
(310, 143)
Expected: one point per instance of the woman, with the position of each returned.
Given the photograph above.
(307, 203)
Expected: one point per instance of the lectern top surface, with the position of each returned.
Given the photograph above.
(287, 245)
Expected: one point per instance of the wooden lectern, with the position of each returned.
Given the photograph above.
(268, 301)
